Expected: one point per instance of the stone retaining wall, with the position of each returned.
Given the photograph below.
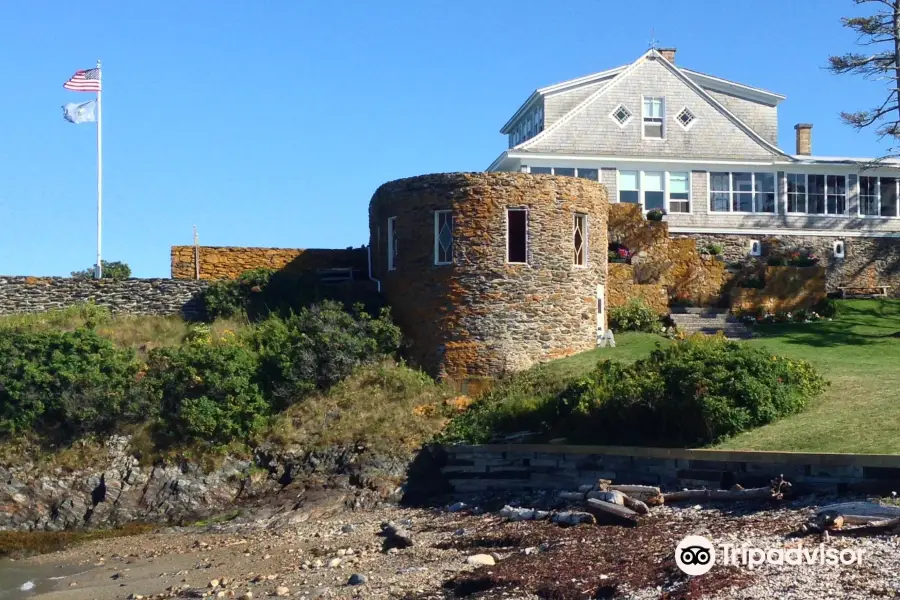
(228, 262)
(478, 469)
(133, 296)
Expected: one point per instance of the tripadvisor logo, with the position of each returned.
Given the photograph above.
(695, 555)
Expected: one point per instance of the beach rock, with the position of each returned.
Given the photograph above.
(282, 591)
(357, 579)
(481, 560)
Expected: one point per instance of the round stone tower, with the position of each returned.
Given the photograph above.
(488, 273)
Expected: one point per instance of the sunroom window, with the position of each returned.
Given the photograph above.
(679, 193)
(742, 192)
(654, 115)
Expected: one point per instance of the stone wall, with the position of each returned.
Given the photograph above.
(867, 262)
(133, 296)
(228, 262)
(482, 316)
(478, 469)
(662, 268)
(786, 289)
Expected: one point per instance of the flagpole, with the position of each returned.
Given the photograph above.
(98, 269)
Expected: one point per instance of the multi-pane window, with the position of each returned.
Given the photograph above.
(593, 174)
(685, 118)
(629, 190)
(816, 194)
(679, 193)
(654, 191)
(654, 115)
(878, 197)
(621, 115)
(742, 192)
(517, 235)
(392, 243)
(579, 239)
(443, 237)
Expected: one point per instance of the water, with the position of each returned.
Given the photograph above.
(19, 580)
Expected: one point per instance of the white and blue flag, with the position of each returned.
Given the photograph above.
(85, 112)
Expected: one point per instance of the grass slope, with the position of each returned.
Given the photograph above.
(859, 353)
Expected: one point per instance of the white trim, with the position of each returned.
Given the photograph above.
(391, 247)
(690, 123)
(734, 88)
(700, 163)
(587, 79)
(878, 179)
(784, 231)
(847, 195)
(612, 116)
(437, 233)
(506, 216)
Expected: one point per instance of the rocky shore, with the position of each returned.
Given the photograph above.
(328, 551)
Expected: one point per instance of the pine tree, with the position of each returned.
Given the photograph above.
(881, 31)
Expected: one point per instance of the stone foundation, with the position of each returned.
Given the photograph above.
(867, 262)
(482, 316)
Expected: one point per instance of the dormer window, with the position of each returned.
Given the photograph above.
(621, 115)
(654, 115)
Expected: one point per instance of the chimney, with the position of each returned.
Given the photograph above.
(668, 54)
(804, 138)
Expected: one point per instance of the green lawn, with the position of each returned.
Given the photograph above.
(859, 353)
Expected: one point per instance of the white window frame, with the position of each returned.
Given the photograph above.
(639, 178)
(825, 192)
(661, 119)
(664, 179)
(392, 246)
(584, 240)
(755, 248)
(517, 209)
(731, 192)
(690, 192)
(843, 248)
(630, 118)
(682, 125)
(859, 194)
(437, 238)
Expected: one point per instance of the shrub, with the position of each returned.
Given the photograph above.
(230, 298)
(690, 393)
(828, 308)
(656, 214)
(634, 316)
(206, 391)
(317, 347)
(776, 261)
(111, 270)
(713, 249)
(65, 383)
(752, 282)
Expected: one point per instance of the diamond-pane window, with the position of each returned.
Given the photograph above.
(622, 115)
(580, 240)
(443, 237)
(685, 117)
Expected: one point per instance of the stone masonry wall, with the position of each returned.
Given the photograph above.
(868, 262)
(133, 296)
(478, 469)
(228, 262)
(481, 316)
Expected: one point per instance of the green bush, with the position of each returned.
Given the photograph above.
(634, 316)
(111, 270)
(65, 383)
(230, 298)
(690, 393)
(828, 308)
(317, 347)
(206, 391)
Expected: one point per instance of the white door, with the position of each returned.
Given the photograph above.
(601, 311)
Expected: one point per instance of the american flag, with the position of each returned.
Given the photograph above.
(85, 80)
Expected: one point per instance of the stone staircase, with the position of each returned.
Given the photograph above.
(709, 321)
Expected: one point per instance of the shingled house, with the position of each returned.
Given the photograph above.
(705, 149)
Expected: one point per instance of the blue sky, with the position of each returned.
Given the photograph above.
(272, 123)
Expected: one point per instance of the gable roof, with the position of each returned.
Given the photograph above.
(653, 54)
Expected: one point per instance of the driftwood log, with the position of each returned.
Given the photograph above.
(606, 512)
(775, 491)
